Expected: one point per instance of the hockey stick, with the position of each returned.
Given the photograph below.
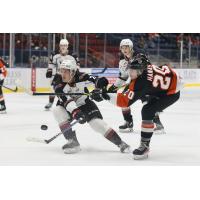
(58, 94)
(19, 83)
(13, 90)
(77, 93)
(65, 94)
(102, 71)
(34, 139)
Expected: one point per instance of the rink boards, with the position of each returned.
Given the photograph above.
(191, 77)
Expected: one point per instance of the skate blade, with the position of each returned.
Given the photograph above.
(72, 150)
(34, 139)
(3, 112)
(47, 109)
(141, 157)
(127, 150)
(130, 130)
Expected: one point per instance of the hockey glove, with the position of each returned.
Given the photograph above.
(112, 89)
(49, 73)
(78, 115)
(105, 94)
(101, 82)
(96, 96)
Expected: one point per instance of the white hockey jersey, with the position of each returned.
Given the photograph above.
(57, 60)
(123, 73)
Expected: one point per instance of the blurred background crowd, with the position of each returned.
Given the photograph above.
(180, 50)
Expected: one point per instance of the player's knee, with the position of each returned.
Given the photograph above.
(60, 114)
(99, 126)
(148, 113)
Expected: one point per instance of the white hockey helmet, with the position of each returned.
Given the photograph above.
(71, 65)
(126, 42)
(64, 42)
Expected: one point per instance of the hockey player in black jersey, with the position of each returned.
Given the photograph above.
(158, 88)
(80, 107)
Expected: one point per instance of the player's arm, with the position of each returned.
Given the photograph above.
(121, 79)
(99, 82)
(133, 92)
(87, 77)
(76, 58)
(51, 65)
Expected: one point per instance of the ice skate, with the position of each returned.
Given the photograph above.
(48, 106)
(71, 147)
(159, 129)
(127, 127)
(124, 148)
(142, 151)
(3, 109)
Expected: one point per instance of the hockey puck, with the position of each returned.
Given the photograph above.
(44, 127)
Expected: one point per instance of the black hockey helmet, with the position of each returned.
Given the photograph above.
(139, 62)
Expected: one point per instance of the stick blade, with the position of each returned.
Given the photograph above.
(16, 89)
(33, 139)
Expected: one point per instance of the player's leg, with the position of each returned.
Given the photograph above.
(128, 125)
(159, 128)
(2, 101)
(148, 112)
(63, 118)
(96, 122)
(51, 97)
(50, 104)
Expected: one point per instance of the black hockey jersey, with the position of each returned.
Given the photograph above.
(154, 81)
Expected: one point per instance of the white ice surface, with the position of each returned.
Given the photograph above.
(25, 114)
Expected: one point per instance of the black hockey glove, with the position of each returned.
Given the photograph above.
(95, 95)
(112, 89)
(99, 95)
(0, 71)
(78, 115)
(105, 94)
(49, 73)
(101, 82)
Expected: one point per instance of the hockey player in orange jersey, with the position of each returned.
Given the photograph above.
(157, 87)
(3, 74)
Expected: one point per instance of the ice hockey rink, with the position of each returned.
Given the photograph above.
(25, 114)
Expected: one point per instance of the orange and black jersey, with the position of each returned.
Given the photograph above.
(3, 69)
(154, 81)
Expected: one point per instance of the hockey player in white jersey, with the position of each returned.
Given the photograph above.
(80, 107)
(55, 61)
(126, 48)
